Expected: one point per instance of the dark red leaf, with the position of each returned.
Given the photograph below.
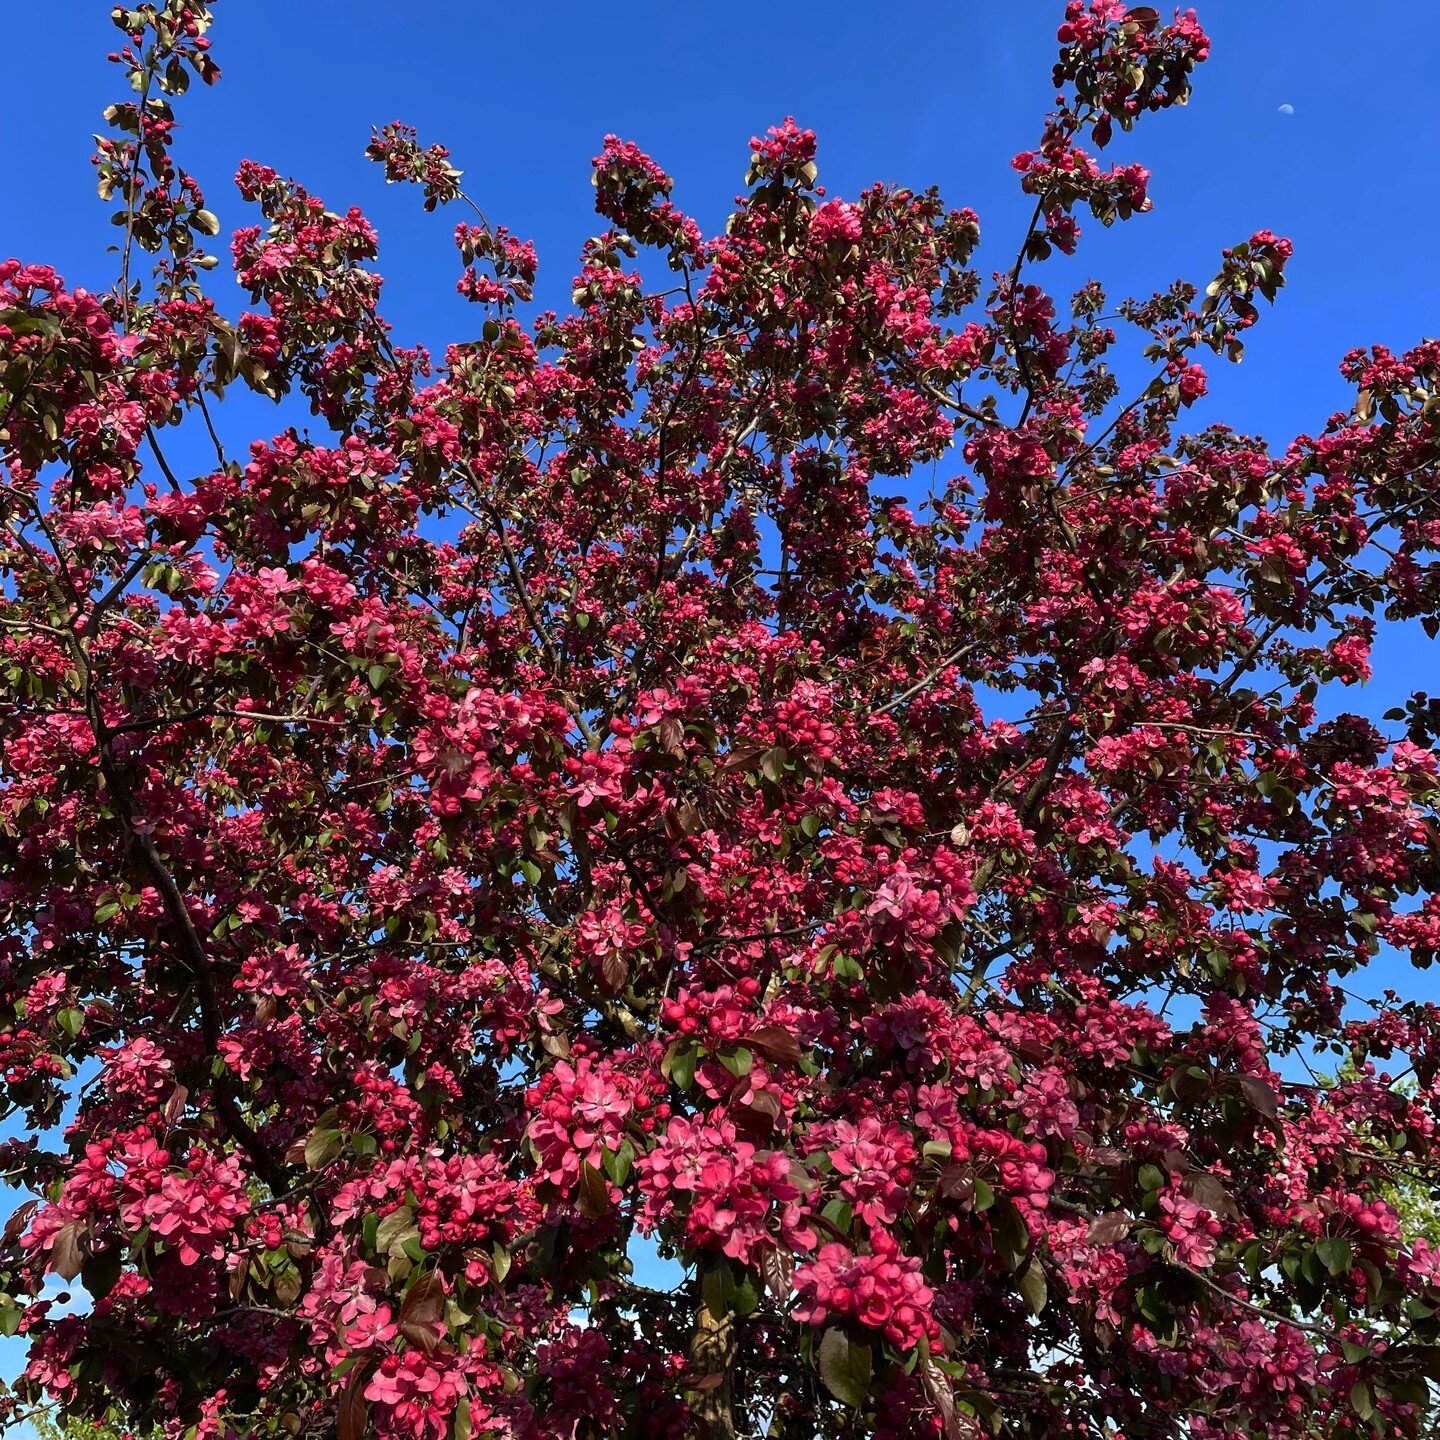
(1259, 1096)
(65, 1256)
(1106, 1229)
(1205, 1189)
(352, 1416)
(15, 1225)
(594, 1199)
(775, 1043)
(420, 1312)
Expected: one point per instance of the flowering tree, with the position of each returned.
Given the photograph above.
(563, 800)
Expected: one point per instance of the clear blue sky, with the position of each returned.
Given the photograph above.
(913, 91)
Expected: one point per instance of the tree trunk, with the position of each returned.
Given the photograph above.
(712, 1355)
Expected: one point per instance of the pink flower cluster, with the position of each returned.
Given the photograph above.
(579, 1111)
(414, 1395)
(882, 1291)
(732, 1197)
(1192, 1229)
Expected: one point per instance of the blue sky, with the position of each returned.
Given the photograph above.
(918, 92)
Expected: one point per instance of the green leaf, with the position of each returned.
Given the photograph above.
(737, 1060)
(682, 1066)
(392, 1228)
(1033, 1288)
(717, 1286)
(846, 1368)
(1150, 1301)
(1361, 1400)
(501, 1262)
(21, 322)
(746, 1295)
(1334, 1254)
(100, 1272)
(619, 1161)
(322, 1147)
(1010, 1234)
(463, 1426)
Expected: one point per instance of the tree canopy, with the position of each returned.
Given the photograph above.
(794, 765)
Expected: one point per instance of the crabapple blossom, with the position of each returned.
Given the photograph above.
(784, 764)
